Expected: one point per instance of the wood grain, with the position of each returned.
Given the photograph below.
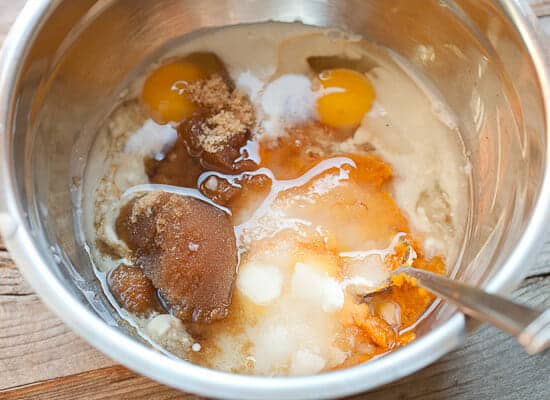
(540, 7)
(107, 383)
(35, 345)
(9, 11)
(11, 281)
(541, 266)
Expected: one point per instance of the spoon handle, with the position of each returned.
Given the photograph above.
(529, 326)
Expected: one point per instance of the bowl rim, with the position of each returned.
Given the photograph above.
(189, 377)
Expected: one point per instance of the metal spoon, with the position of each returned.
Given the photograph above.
(530, 327)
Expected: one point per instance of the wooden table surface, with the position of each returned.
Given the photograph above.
(40, 358)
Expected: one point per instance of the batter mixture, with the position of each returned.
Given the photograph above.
(256, 186)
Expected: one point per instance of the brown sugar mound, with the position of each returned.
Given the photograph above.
(133, 291)
(213, 138)
(187, 248)
(217, 94)
(217, 133)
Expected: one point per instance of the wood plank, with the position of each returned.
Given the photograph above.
(540, 7)
(35, 344)
(545, 24)
(108, 383)
(541, 266)
(11, 281)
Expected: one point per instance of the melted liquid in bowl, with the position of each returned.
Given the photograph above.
(256, 185)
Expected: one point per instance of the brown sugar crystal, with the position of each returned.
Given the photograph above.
(187, 248)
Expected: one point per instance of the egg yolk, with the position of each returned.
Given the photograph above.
(164, 91)
(348, 97)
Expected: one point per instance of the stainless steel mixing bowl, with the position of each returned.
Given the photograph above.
(65, 62)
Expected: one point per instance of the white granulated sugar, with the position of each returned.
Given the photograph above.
(260, 283)
(288, 100)
(151, 139)
(310, 285)
(306, 362)
(249, 84)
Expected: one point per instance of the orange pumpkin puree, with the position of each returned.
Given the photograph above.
(383, 218)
